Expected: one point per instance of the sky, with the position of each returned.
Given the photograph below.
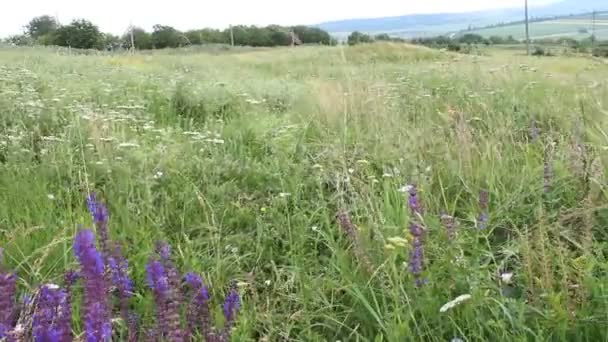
(115, 16)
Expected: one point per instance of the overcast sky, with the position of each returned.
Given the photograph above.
(115, 15)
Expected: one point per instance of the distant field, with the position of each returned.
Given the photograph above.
(578, 27)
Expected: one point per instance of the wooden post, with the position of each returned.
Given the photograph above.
(132, 41)
(231, 36)
(593, 29)
(527, 31)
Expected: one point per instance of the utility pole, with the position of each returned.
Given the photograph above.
(231, 36)
(132, 39)
(527, 31)
(593, 29)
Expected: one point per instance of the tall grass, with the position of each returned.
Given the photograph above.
(243, 160)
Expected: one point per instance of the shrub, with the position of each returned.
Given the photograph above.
(601, 51)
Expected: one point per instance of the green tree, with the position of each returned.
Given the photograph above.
(110, 41)
(312, 35)
(141, 39)
(20, 40)
(80, 34)
(471, 38)
(44, 25)
(167, 37)
(382, 37)
(359, 38)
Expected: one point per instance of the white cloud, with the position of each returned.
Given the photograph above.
(116, 15)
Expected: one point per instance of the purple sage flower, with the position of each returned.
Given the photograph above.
(350, 231)
(449, 223)
(7, 299)
(413, 203)
(99, 215)
(198, 307)
(415, 262)
(47, 322)
(174, 300)
(547, 171)
(231, 306)
(96, 318)
(482, 219)
(158, 282)
(118, 266)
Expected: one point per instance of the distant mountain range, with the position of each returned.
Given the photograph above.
(419, 25)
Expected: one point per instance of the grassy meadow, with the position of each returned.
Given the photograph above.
(242, 159)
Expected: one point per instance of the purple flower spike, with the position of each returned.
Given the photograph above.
(482, 220)
(173, 296)
(48, 320)
(99, 215)
(118, 266)
(158, 282)
(231, 306)
(7, 300)
(416, 259)
(164, 251)
(198, 308)
(413, 202)
(96, 309)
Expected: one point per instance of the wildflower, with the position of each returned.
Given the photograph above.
(7, 300)
(415, 261)
(118, 266)
(405, 189)
(449, 224)
(231, 306)
(547, 171)
(69, 279)
(49, 320)
(99, 215)
(158, 282)
(50, 197)
(173, 300)
(413, 202)
(483, 208)
(158, 175)
(506, 277)
(457, 301)
(416, 256)
(96, 310)
(349, 229)
(198, 307)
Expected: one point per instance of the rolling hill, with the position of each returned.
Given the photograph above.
(419, 25)
(577, 27)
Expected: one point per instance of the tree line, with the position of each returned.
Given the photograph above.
(83, 34)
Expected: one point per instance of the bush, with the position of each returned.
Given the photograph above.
(540, 51)
(454, 47)
(601, 51)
